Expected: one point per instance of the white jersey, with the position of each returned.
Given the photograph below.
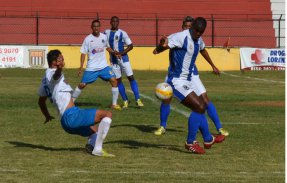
(183, 53)
(58, 91)
(117, 40)
(95, 48)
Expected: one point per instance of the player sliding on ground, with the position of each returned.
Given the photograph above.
(73, 119)
(184, 48)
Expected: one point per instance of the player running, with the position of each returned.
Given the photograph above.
(200, 91)
(184, 48)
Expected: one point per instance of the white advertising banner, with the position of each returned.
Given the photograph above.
(262, 59)
(23, 56)
(11, 56)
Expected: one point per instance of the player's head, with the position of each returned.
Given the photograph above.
(198, 27)
(115, 22)
(53, 57)
(96, 25)
(187, 22)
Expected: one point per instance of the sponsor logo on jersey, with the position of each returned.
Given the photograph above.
(185, 87)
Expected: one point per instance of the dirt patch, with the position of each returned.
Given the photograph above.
(264, 103)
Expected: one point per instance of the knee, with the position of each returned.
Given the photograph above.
(82, 86)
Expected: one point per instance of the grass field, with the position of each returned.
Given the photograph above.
(251, 106)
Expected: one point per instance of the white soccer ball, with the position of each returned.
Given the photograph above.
(163, 91)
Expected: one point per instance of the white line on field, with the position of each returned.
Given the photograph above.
(186, 113)
(259, 79)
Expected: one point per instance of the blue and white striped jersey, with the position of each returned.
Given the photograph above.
(117, 41)
(183, 54)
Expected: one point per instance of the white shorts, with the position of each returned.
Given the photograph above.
(199, 87)
(122, 67)
(181, 88)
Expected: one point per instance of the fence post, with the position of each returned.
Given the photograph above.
(212, 31)
(279, 32)
(97, 16)
(37, 29)
(156, 30)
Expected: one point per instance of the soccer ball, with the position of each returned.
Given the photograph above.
(163, 91)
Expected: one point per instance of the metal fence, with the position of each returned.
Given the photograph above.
(47, 30)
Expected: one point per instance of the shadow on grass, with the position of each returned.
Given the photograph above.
(33, 146)
(144, 128)
(133, 144)
(92, 104)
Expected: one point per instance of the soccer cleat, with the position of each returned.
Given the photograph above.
(215, 139)
(160, 131)
(194, 148)
(139, 103)
(116, 107)
(103, 153)
(89, 148)
(223, 132)
(126, 104)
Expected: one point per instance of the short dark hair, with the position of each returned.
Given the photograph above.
(187, 19)
(53, 55)
(115, 17)
(199, 23)
(94, 21)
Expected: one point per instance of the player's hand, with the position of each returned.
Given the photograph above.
(163, 41)
(155, 52)
(118, 54)
(80, 72)
(216, 70)
(48, 118)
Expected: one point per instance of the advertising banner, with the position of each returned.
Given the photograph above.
(262, 59)
(11, 56)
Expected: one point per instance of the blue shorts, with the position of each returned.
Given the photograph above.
(91, 76)
(78, 121)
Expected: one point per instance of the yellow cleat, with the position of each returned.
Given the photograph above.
(126, 104)
(116, 107)
(103, 153)
(160, 131)
(223, 132)
(139, 103)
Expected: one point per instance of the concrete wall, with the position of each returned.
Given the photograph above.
(142, 58)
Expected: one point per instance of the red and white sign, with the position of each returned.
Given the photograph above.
(262, 59)
(11, 56)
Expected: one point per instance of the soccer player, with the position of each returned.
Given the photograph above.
(94, 46)
(200, 91)
(73, 119)
(117, 40)
(184, 48)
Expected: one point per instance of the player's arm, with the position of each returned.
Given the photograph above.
(206, 56)
(112, 52)
(82, 61)
(162, 46)
(44, 109)
(127, 49)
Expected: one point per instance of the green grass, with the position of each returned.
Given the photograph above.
(252, 110)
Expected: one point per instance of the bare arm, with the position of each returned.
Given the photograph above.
(206, 56)
(82, 61)
(44, 109)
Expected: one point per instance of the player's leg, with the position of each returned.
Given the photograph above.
(107, 74)
(118, 72)
(133, 83)
(88, 77)
(164, 113)
(104, 118)
(210, 108)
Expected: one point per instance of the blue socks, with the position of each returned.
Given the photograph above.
(212, 113)
(198, 121)
(122, 91)
(134, 87)
(164, 113)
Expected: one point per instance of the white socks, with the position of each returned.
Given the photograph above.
(103, 129)
(115, 92)
(76, 93)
